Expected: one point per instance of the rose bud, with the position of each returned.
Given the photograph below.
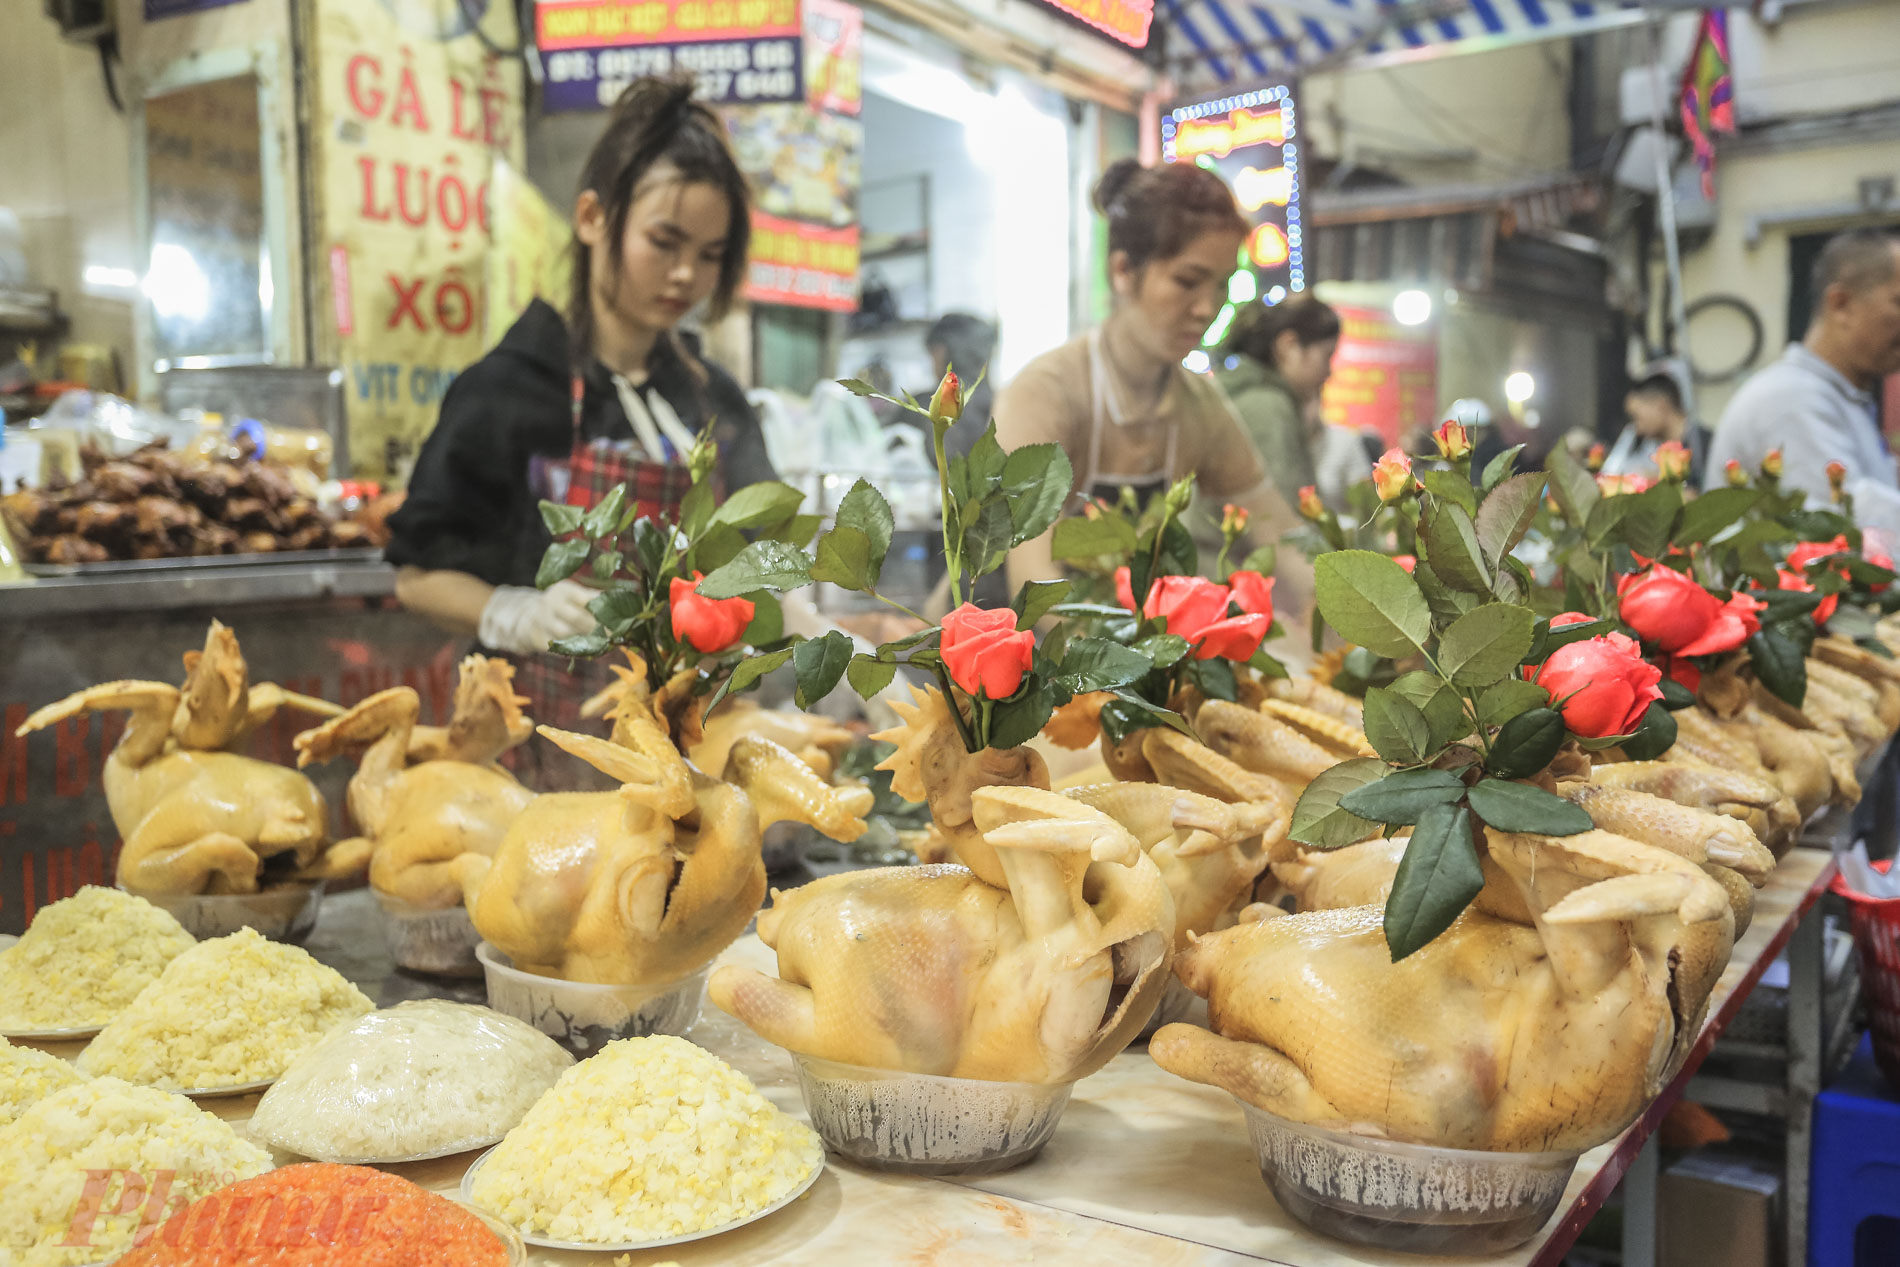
(1594, 459)
(1672, 461)
(1733, 472)
(1392, 475)
(946, 406)
(1454, 442)
(1837, 477)
(1771, 464)
(984, 652)
(1602, 685)
(707, 625)
(1310, 505)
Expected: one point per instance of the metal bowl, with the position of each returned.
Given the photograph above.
(283, 913)
(440, 941)
(1410, 1197)
(921, 1124)
(584, 1017)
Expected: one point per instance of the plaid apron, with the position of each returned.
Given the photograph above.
(556, 691)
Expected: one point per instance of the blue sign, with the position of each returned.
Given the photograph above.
(730, 72)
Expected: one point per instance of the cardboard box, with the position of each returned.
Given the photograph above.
(1714, 1207)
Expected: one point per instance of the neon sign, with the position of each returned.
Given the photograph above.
(1123, 20)
(1221, 137)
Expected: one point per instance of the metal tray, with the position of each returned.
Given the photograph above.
(138, 567)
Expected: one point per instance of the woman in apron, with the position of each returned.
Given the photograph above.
(1117, 399)
(566, 407)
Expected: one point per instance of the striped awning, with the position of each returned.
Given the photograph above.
(1239, 41)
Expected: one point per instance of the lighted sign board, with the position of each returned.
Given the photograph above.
(739, 51)
(1249, 140)
(1125, 21)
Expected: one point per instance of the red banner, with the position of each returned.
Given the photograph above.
(563, 24)
(1385, 376)
(1123, 20)
(805, 265)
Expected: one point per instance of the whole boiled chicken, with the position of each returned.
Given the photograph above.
(428, 818)
(1041, 978)
(195, 817)
(647, 884)
(1546, 1031)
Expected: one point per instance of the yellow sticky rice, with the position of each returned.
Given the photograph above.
(27, 1075)
(232, 1010)
(84, 959)
(100, 1126)
(648, 1138)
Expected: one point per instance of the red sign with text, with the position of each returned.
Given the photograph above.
(805, 265)
(563, 24)
(1385, 376)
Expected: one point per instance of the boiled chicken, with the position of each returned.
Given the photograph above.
(202, 819)
(647, 884)
(428, 820)
(1331, 879)
(1543, 1033)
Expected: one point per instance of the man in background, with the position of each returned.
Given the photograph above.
(1653, 406)
(1816, 403)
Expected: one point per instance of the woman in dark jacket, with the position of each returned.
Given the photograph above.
(1278, 357)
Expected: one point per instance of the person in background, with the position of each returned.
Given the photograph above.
(1653, 406)
(1117, 399)
(965, 343)
(1816, 403)
(1277, 359)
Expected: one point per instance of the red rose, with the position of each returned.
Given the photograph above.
(1235, 638)
(1813, 552)
(1672, 613)
(984, 651)
(1392, 475)
(1602, 685)
(1187, 604)
(1124, 589)
(1406, 561)
(1801, 584)
(706, 624)
(1253, 593)
(1570, 618)
(1879, 560)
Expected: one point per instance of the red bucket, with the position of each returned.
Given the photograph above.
(1876, 926)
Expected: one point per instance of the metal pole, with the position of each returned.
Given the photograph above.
(1639, 1206)
(1807, 1036)
(1666, 211)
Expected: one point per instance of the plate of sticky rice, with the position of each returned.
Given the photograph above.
(82, 961)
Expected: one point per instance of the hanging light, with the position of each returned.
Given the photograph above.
(1412, 307)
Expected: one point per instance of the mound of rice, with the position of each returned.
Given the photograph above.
(84, 959)
(50, 1153)
(228, 1011)
(27, 1075)
(419, 1078)
(648, 1138)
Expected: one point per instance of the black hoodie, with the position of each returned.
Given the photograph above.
(470, 508)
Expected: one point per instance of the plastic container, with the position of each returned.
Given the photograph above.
(439, 941)
(1876, 926)
(584, 1017)
(284, 913)
(1409, 1197)
(921, 1124)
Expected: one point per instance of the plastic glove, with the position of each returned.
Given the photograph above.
(524, 620)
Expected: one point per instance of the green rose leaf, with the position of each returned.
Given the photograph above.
(1526, 743)
(847, 558)
(581, 646)
(1712, 513)
(616, 610)
(560, 561)
(1401, 797)
(1499, 468)
(890, 650)
(819, 663)
(696, 510)
(1446, 603)
(605, 564)
(718, 546)
(1507, 514)
(1486, 643)
(1215, 678)
(1451, 486)
(561, 519)
(1525, 807)
(1261, 559)
(1396, 728)
(796, 531)
(1451, 540)
(603, 520)
(1080, 538)
(1510, 698)
(1036, 481)
(1162, 650)
(747, 672)
(1318, 819)
(857, 387)
(869, 675)
(1780, 664)
(1548, 640)
(1444, 711)
(1655, 736)
(1020, 718)
(1436, 880)
(1034, 600)
(1676, 696)
(1096, 664)
(763, 565)
(1574, 488)
(651, 541)
(865, 509)
(768, 620)
(987, 535)
(1128, 712)
(1368, 599)
(976, 475)
(764, 505)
